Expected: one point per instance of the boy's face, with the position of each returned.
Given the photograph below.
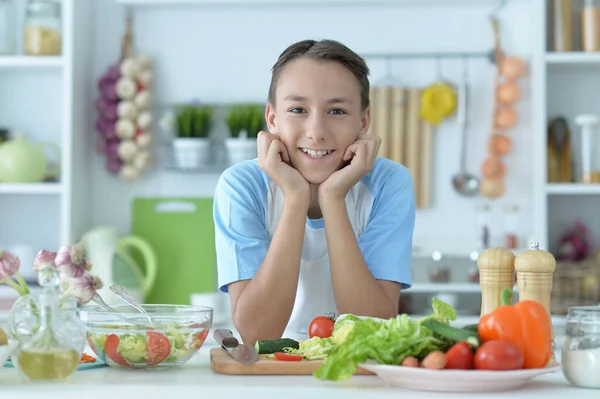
(317, 115)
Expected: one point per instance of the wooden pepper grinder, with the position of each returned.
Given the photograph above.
(535, 274)
(496, 272)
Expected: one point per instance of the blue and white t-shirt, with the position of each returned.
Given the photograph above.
(381, 208)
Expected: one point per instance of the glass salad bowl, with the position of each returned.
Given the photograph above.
(166, 336)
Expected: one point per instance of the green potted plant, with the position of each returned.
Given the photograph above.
(244, 122)
(192, 125)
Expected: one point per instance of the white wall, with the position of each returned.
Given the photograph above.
(225, 54)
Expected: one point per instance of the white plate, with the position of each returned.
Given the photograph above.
(455, 380)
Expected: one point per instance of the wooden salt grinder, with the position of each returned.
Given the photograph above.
(496, 272)
(535, 274)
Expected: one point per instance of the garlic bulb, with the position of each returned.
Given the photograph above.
(9, 264)
(127, 150)
(144, 140)
(125, 129)
(127, 110)
(129, 173)
(84, 287)
(144, 120)
(141, 160)
(143, 62)
(126, 88)
(130, 67)
(44, 259)
(143, 100)
(146, 78)
(70, 261)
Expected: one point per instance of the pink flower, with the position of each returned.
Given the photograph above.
(44, 259)
(82, 288)
(70, 261)
(9, 264)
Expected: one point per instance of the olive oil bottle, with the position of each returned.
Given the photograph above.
(47, 357)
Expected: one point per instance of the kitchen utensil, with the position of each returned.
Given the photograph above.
(98, 300)
(464, 183)
(222, 363)
(397, 120)
(120, 291)
(590, 146)
(426, 164)
(382, 118)
(113, 263)
(422, 379)
(412, 139)
(496, 272)
(25, 162)
(245, 354)
(181, 233)
(535, 276)
(180, 332)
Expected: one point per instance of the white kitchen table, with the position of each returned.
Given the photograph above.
(196, 380)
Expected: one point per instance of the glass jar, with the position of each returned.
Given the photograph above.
(589, 147)
(562, 25)
(581, 349)
(43, 28)
(590, 25)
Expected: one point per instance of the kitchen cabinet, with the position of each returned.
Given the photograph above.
(50, 214)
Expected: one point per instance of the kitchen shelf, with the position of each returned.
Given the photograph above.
(292, 3)
(572, 189)
(30, 62)
(573, 58)
(30, 188)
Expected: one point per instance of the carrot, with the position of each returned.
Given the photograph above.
(434, 361)
(85, 358)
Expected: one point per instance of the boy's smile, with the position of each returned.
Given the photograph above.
(317, 114)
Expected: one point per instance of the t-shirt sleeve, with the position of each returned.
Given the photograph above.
(386, 243)
(241, 237)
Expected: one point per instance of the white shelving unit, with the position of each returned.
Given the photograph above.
(59, 114)
(564, 84)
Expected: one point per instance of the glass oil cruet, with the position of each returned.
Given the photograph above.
(47, 356)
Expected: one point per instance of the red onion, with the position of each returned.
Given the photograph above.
(101, 146)
(83, 287)
(114, 165)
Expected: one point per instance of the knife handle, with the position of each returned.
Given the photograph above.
(225, 338)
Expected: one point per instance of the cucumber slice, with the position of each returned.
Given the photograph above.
(452, 333)
(270, 346)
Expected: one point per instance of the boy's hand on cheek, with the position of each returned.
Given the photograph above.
(273, 159)
(361, 154)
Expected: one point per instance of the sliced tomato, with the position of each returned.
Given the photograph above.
(289, 357)
(159, 348)
(111, 347)
(199, 339)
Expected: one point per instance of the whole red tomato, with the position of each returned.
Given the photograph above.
(321, 326)
(498, 355)
(460, 356)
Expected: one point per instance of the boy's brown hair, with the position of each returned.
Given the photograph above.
(324, 50)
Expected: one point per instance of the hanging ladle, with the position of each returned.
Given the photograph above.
(464, 183)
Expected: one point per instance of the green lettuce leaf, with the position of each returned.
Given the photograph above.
(386, 342)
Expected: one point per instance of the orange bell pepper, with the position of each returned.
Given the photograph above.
(525, 324)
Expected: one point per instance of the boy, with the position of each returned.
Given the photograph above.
(317, 224)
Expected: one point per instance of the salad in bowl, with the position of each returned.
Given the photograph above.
(168, 335)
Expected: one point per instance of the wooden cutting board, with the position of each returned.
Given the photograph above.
(222, 363)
